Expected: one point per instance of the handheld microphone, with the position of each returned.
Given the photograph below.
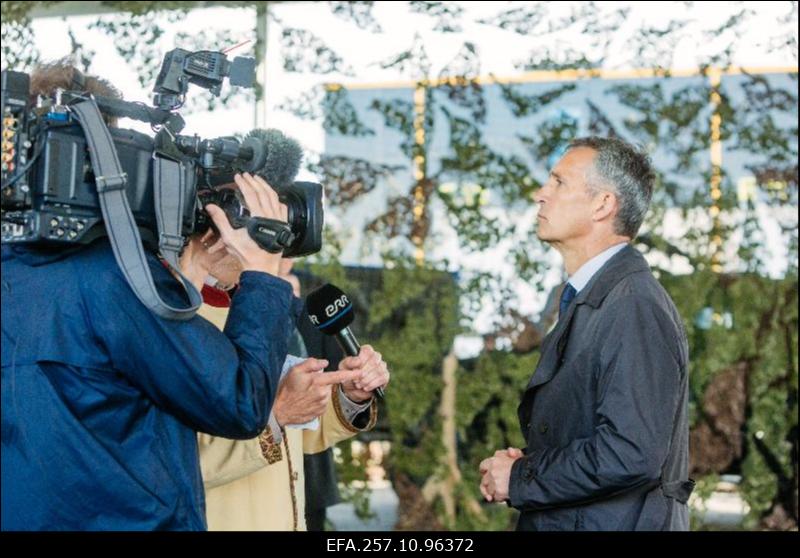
(331, 312)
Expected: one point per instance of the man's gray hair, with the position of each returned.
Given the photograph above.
(629, 171)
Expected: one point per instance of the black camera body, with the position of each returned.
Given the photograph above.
(57, 202)
(49, 193)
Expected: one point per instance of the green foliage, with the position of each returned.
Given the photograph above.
(447, 14)
(340, 116)
(352, 487)
(136, 40)
(488, 394)
(305, 52)
(19, 50)
(763, 334)
(524, 105)
(359, 13)
(413, 319)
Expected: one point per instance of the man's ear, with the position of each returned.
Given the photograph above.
(604, 205)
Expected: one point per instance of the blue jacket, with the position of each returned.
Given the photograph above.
(101, 398)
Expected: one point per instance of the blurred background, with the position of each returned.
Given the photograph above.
(431, 124)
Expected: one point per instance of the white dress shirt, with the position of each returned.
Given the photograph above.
(581, 278)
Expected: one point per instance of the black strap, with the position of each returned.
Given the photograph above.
(120, 224)
(678, 490)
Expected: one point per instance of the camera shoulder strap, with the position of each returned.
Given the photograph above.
(120, 224)
(169, 191)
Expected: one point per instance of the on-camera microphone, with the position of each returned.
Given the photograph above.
(282, 156)
(269, 154)
(331, 312)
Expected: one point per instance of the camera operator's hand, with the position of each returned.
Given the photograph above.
(261, 201)
(305, 391)
(374, 370)
(196, 261)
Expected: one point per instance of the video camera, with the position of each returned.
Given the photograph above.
(50, 187)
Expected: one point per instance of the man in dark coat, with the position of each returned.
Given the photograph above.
(604, 415)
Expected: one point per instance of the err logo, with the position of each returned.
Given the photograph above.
(330, 310)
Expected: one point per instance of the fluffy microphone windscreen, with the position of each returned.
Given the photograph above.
(283, 157)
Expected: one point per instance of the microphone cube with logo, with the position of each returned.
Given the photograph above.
(331, 312)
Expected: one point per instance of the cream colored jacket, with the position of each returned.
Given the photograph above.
(258, 485)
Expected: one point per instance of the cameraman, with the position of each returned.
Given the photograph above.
(101, 399)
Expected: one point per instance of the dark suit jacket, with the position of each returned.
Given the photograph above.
(321, 483)
(605, 413)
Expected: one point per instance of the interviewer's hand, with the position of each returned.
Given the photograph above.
(261, 201)
(305, 391)
(375, 374)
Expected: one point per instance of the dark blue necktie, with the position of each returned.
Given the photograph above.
(567, 295)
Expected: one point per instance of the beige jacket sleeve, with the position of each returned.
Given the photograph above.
(334, 427)
(223, 461)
